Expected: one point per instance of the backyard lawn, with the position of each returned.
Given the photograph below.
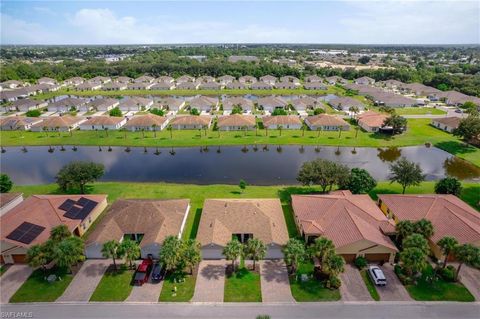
(438, 290)
(114, 285)
(311, 289)
(370, 285)
(243, 286)
(37, 289)
(184, 292)
(419, 111)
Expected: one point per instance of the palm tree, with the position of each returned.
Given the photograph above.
(447, 245)
(170, 128)
(171, 253)
(130, 249)
(37, 257)
(304, 127)
(266, 130)
(320, 248)
(280, 127)
(69, 252)
(294, 253)
(45, 130)
(106, 131)
(466, 254)
(333, 264)
(205, 128)
(354, 110)
(256, 129)
(404, 228)
(256, 250)
(124, 133)
(143, 133)
(232, 251)
(424, 227)
(191, 254)
(340, 131)
(357, 128)
(244, 129)
(70, 129)
(111, 249)
(319, 130)
(57, 128)
(59, 233)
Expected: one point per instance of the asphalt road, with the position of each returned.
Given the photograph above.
(356, 310)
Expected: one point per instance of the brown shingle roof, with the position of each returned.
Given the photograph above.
(449, 121)
(282, 120)
(156, 219)
(449, 215)
(103, 120)
(326, 120)
(191, 120)
(236, 120)
(223, 217)
(59, 121)
(342, 217)
(41, 210)
(146, 120)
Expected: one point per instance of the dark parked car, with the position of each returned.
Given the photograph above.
(143, 271)
(158, 272)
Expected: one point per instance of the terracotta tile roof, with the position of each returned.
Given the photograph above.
(223, 217)
(236, 120)
(281, 120)
(191, 120)
(326, 120)
(41, 210)
(342, 217)
(154, 218)
(103, 120)
(6, 198)
(449, 121)
(59, 121)
(146, 120)
(372, 119)
(449, 215)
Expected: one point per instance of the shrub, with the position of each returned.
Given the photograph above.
(318, 111)
(448, 185)
(157, 112)
(361, 262)
(115, 112)
(194, 111)
(404, 279)
(448, 273)
(279, 112)
(333, 282)
(33, 113)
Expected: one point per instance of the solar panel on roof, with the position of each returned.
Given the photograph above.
(82, 201)
(66, 205)
(26, 232)
(87, 209)
(72, 212)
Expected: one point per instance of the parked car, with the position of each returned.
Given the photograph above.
(377, 276)
(158, 272)
(143, 271)
(458, 111)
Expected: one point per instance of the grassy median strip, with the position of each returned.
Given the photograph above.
(370, 285)
(114, 285)
(37, 289)
(243, 286)
(183, 292)
(310, 289)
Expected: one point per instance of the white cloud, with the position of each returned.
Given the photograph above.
(16, 31)
(44, 11)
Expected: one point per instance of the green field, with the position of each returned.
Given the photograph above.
(243, 286)
(419, 132)
(114, 285)
(312, 289)
(419, 111)
(184, 292)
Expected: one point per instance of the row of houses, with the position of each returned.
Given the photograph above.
(356, 224)
(152, 122)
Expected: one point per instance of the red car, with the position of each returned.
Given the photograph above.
(143, 271)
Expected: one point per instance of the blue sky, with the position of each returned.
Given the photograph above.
(149, 22)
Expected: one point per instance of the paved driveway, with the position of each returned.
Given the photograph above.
(470, 278)
(353, 287)
(148, 292)
(210, 281)
(394, 290)
(86, 280)
(12, 279)
(274, 281)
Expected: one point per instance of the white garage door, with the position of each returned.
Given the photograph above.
(212, 253)
(274, 253)
(94, 251)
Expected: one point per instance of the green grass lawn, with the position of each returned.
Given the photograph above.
(185, 289)
(37, 289)
(114, 286)
(198, 193)
(439, 290)
(312, 289)
(3, 269)
(419, 132)
(243, 286)
(419, 111)
(370, 285)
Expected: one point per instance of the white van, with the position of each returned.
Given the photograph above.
(377, 276)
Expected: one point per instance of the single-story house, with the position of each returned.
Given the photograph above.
(146, 221)
(245, 58)
(313, 78)
(344, 103)
(185, 78)
(115, 86)
(46, 80)
(64, 123)
(89, 86)
(139, 86)
(9, 201)
(270, 79)
(304, 103)
(147, 122)
(289, 78)
(236, 122)
(391, 99)
(229, 102)
(104, 104)
(447, 124)
(144, 79)
(11, 84)
(67, 104)
(25, 105)
(314, 86)
(247, 79)
(135, 103)
(187, 85)
(205, 79)
(171, 104)
(450, 216)
(13, 95)
(204, 103)
(286, 85)
(289, 122)
(224, 219)
(326, 122)
(163, 86)
(390, 84)
(191, 122)
(123, 79)
(371, 121)
(74, 81)
(332, 80)
(165, 79)
(454, 98)
(261, 86)
(365, 80)
(355, 225)
(101, 123)
(235, 85)
(225, 79)
(419, 89)
(30, 222)
(100, 79)
(210, 86)
(14, 123)
(270, 103)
